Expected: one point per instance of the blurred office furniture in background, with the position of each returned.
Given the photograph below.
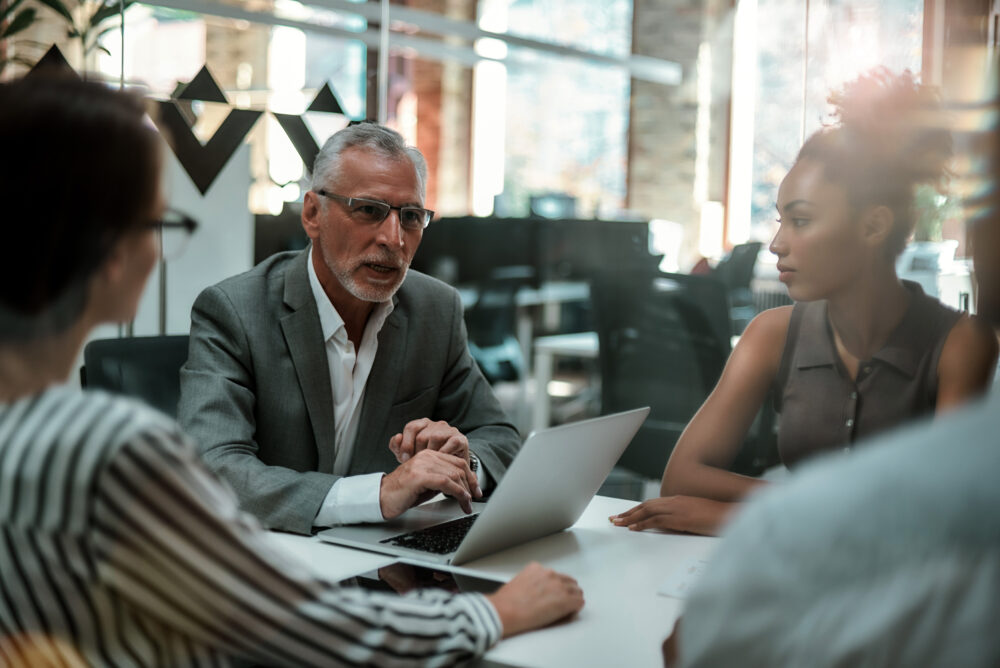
(664, 339)
(144, 367)
(552, 205)
(492, 323)
(579, 345)
(274, 234)
(932, 264)
(736, 271)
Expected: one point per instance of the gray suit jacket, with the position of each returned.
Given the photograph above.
(256, 395)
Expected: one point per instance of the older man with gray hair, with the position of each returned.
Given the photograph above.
(333, 385)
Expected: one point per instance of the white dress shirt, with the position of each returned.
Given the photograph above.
(355, 498)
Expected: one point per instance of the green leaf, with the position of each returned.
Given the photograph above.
(59, 8)
(109, 9)
(23, 60)
(20, 22)
(9, 10)
(101, 48)
(105, 31)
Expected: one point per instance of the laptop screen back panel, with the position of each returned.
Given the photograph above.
(550, 483)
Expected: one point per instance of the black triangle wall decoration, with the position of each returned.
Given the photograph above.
(203, 88)
(52, 61)
(203, 163)
(326, 100)
(300, 136)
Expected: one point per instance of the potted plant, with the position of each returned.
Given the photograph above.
(15, 17)
(87, 21)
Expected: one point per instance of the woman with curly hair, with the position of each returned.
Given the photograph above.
(861, 351)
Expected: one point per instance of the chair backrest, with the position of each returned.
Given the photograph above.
(664, 339)
(492, 323)
(736, 269)
(145, 367)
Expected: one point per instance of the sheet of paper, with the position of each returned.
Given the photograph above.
(680, 582)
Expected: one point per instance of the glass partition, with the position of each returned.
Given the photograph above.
(565, 139)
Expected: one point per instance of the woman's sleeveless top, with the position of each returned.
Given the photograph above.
(822, 409)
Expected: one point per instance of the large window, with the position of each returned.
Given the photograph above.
(805, 50)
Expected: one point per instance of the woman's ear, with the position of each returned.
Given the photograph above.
(877, 224)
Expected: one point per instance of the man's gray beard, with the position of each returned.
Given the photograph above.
(367, 293)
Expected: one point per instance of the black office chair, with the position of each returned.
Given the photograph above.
(145, 367)
(664, 340)
(735, 271)
(492, 323)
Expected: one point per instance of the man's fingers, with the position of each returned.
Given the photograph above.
(454, 488)
(447, 474)
(438, 435)
(456, 445)
(408, 444)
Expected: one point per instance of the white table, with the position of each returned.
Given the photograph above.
(624, 621)
(581, 344)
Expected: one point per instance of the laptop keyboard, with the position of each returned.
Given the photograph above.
(440, 539)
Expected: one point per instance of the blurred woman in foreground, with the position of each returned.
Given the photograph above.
(861, 351)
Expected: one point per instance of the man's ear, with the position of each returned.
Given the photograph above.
(310, 214)
(877, 224)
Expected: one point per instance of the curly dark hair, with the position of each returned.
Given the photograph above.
(80, 168)
(888, 137)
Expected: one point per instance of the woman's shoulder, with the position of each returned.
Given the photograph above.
(970, 347)
(57, 443)
(762, 344)
(768, 329)
(70, 418)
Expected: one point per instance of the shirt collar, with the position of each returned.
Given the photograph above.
(818, 348)
(329, 320)
(909, 339)
(815, 339)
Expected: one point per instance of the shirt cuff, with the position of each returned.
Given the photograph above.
(352, 500)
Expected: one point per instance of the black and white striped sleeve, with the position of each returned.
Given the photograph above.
(172, 542)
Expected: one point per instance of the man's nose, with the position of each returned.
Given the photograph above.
(390, 230)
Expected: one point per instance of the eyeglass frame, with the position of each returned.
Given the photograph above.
(186, 223)
(349, 201)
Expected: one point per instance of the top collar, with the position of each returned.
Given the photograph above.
(817, 348)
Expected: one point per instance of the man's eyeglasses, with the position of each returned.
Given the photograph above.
(373, 211)
(173, 231)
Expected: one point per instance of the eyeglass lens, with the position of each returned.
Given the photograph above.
(373, 212)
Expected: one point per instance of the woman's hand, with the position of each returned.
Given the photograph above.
(536, 597)
(689, 514)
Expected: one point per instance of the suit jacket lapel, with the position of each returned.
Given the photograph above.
(303, 335)
(379, 391)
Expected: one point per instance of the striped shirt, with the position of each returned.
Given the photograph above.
(118, 548)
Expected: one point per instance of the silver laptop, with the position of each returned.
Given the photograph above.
(545, 490)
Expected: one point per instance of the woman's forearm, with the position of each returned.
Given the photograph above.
(706, 481)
